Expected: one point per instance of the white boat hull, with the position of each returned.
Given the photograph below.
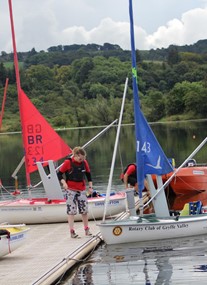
(129, 230)
(40, 211)
(16, 239)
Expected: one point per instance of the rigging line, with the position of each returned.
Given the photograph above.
(99, 134)
(184, 182)
(84, 146)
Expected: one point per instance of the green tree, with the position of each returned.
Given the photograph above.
(173, 55)
(175, 99)
(3, 74)
(81, 69)
(195, 99)
(39, 77)
(154, 104)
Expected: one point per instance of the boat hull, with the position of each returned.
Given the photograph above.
(41, 211)
(126, 231)
(188, 180)
(17, 238)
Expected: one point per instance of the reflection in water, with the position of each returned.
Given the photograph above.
(202, 267)
(145, 271)
(156, 262)
(165, 270)
(178, 140)
(83, 276)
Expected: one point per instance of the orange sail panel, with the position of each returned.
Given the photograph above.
(41, 142)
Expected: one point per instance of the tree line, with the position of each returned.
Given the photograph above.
(78, 86)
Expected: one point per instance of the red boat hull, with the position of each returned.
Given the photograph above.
(189, 180)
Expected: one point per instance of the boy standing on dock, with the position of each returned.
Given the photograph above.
(75, 169)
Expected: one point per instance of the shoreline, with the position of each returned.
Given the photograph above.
(115, 125)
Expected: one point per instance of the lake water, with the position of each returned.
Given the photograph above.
(178, 140)
(182, 261)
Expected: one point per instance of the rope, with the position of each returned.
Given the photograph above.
(16, 192)
(2, 187)
(187, 184)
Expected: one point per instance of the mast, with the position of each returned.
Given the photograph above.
(150, 157)
(115, 151)
(3, 102)
(16, 65)
(136, 103)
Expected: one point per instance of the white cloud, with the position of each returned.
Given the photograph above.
(107, 32)
(195, 23)
(188, 30)
(172, 33)
(42, 24)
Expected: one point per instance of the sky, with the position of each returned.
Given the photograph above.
(41, 24)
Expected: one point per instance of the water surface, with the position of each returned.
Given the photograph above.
(174, 261)
(181, 261)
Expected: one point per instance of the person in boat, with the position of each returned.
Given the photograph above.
(129, 177)
(72, 177)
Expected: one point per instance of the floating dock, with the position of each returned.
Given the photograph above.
(48, 253)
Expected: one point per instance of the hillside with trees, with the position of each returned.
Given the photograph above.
(82, 85)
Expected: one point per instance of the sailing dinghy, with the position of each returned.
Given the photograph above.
(150, 160)
(42, 146)
(12, 237)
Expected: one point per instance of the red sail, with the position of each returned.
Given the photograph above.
(41, 142)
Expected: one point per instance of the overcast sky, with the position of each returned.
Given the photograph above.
(41, 24)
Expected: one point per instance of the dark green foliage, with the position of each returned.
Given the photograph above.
(83, 85)
(173, 56)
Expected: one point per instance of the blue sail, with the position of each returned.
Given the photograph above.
(150, 157)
